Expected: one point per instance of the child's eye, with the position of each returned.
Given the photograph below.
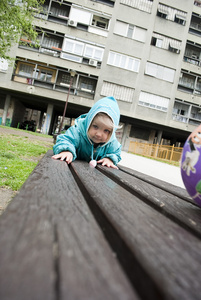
(95, 126)
(107, 131)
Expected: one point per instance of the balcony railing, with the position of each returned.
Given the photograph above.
(187, 83)
(191, 60)
(180, 118)
(197, 3)
(57, 52)
(195, 26)
(57, 86)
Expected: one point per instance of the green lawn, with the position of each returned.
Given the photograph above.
(18, 157)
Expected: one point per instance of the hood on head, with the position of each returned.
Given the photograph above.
(106, 105)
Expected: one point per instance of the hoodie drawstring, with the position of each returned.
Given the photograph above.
(92, 153)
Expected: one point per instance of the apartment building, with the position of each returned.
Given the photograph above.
(147, 54)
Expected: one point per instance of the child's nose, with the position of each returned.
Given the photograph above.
(98, 133)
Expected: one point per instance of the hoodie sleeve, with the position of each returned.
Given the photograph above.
(68, 141)
(114, 152)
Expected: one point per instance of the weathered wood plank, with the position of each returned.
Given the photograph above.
(177, 208)
(175, 190)
(160, 257)
(51, 246)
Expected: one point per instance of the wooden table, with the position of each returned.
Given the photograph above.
(86, 234)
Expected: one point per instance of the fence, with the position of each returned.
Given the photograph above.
(163, 152)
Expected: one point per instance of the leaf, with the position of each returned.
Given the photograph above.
(16, 18)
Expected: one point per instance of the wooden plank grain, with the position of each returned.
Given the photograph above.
(177, 208)
(157, 254)
(51, 245)
(26, 239)
(168, 187)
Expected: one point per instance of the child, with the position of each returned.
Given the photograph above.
(92, 138)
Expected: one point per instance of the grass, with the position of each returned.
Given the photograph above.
(18, 157)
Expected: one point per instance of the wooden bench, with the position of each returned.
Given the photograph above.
(78, 233)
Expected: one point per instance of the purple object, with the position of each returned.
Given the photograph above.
(191, 165)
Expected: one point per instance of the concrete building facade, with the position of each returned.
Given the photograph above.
(147, 54)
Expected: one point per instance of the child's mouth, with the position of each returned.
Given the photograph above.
(97, 140)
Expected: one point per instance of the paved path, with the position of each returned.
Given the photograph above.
(152, 168)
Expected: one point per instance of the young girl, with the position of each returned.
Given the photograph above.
(92, 138)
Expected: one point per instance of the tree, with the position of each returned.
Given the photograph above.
(16, 18)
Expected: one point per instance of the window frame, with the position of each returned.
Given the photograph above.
(115, 59)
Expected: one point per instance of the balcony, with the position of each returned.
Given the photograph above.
(186, 84)
(65, 48)
(54, 78)
(186, 113)
(195, 25)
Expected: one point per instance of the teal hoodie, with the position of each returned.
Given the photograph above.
(76, 139)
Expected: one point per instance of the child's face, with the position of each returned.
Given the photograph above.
(99, 131)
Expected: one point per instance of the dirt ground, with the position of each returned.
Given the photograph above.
(6, 194)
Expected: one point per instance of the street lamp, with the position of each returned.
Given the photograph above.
(72, 75)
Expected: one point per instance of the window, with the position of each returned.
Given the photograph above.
(78, 50)
(130, 31)
(123, 61)
(82, 16)
(43, 12)
(84, 86)
(187, 82)
(55, 11)
(164, 42)
(160, 72)
(43, 74)
(198, 84)
(87, 84)
(47, 42)
(162, 11)
(59, 10)
(30, 73)
(192, 53)
(73, 46)
(181, 111)
(25, 70)
(64, 78)
(51, 41)
(180, 19)
(195, 25)
(119, 92)
(106, 2)
(171, 14)
(71, 57)
(95, 22)
(197, 3)
(93, 52)
(145, 5)
(174, 47)
(100, 22)
(153, 101)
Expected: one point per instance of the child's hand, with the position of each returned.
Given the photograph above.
(107, 162)
(67, 155)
